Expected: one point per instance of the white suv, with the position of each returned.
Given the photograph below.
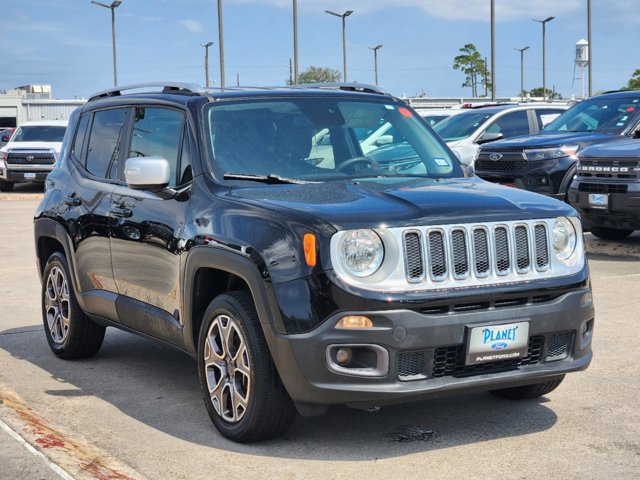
(466, 131)
(30, 154)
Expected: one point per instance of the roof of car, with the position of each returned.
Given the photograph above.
(162, 89)
(492, 109)
(621, 93)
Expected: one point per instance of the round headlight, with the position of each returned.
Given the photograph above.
(361, 252)
(564, 238)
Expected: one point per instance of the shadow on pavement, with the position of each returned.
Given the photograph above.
(158, 386)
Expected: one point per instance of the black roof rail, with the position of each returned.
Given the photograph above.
(349, 87)
(166, 87)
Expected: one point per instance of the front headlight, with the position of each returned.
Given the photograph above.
(540, 154)
(564, 238)
(361, 252)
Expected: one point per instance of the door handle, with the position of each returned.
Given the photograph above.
(120, 212)
(72, 201)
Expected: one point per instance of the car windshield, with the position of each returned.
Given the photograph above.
(462, 125)
(39, 133)
(604, 115)
(323, 138)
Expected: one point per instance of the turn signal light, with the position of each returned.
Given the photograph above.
(355, 322)
(309, 245)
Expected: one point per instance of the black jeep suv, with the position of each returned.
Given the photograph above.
(251, 229)
(546, 162)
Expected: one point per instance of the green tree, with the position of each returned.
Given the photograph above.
(319, 75)
(634, 81)
(471, 63)
(537, 92)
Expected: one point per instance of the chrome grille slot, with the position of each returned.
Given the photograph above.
(542, 247)
(459, 252)
(414, 262)
(437, 255)
(503, 257)
(523, 259)
(481, 252)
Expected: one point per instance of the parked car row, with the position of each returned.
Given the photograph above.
(589, 156)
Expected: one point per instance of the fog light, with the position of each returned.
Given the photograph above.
(343, 356)
(354, 321)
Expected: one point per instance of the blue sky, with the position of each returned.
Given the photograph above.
(67, 43)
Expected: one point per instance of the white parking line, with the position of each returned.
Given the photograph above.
(621, 276)
(61, 473)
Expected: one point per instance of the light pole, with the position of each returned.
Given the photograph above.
(375, 59)
(590, 45)
(221, 43)
(521, 50)
(544, 55)
(493, 50)
(206, 61)
(295, 42)
(112, 7)
(344, 38)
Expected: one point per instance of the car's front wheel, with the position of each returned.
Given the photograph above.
(241, 388)
(70, 333)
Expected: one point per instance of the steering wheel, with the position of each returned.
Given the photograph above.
(352, 161)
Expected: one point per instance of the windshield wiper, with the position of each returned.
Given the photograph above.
(270, 179)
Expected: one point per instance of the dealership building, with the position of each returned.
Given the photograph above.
(33, 102)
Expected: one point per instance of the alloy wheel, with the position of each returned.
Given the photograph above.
(57, 305)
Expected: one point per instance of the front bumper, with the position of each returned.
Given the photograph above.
(623, 209)
(25, 173)
(544, 177)
(425, 353)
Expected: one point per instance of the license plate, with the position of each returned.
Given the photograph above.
(492, 343)
(30, 175)
(599, 200)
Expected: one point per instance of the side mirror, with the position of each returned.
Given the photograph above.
(636, 134)
(147, 173)
(384, 140)
(489, 137)
(4, 139)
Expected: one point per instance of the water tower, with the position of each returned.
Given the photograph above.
(582, 60)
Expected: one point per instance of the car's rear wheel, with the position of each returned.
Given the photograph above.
(70, 333)
(528, 391)
(611, 233)
(240, 386)
(6, 186)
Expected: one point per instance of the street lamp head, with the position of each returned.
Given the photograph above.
(115, 4)
(377, 47)
(548, 19)
(341, 15)
(206, 45)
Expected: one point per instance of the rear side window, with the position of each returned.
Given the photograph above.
(157, 132)
(104, 141)
(546, 116)
(81, 133)
(511, 125)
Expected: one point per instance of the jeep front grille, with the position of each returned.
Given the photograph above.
(30, 158)
(475, 251)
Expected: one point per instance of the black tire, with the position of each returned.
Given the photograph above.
(6, 186)
(70, 332)
(239, 382)
(525, 392)
(610, 233)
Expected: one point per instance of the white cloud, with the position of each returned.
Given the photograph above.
(446, 9)
(192, 25)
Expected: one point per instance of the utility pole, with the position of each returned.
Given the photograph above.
(295, 42)
(221, 43)
(589, 39)
(493, 50)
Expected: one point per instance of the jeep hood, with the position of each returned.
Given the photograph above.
(549, 140)
(401, 202)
